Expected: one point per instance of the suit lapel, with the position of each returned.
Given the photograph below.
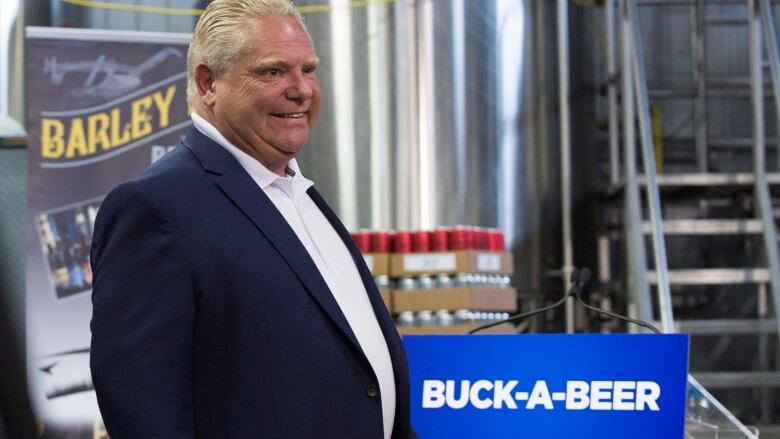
(239, 187)
(380, 310)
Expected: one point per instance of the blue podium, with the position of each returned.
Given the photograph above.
(548, 385)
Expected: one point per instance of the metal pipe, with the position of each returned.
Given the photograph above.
(770, 38)
(460, 147)
(653, 196)
(688, 2)
(699, 72)
(637, 282)
(614, 151)
(563, 101)
(720, 142)
(341, 34)
(427, 111)
(727, 22)
(407, 193)
(381, 132)
(763, 355)
(757, 88)
(711, 93)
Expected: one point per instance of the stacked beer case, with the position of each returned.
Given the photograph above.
(442, 281)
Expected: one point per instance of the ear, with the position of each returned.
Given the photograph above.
(204, 82)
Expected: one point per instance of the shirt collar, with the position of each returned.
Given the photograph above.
(259, 173)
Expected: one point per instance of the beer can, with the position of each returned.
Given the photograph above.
(463, 280)
(425, 282)
(383, 282)
(406, 318)
(471, 238)
(407, 284)
(402, 241)
(462, 316)
(458, 238)
(362, 239)
(440, 239)
(481, 238)
(424, 318)
(443, 281)
(497, 240)
(443, 318)
(421, 241)
(380, 242)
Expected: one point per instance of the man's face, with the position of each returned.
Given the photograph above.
(269, 99)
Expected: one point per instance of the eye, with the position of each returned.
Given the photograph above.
(310, 70)
(273, 72)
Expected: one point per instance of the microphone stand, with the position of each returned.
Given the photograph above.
(641, 323)
(578, 280)
(576, 285)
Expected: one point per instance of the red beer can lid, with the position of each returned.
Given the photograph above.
(483, 238)
(458, 238)
(497, 240)
(440, 239)
(362, 240)
(421, 241)
(380, 242)
(402, 241)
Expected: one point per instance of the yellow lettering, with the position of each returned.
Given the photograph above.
(52, 144)
(77, 142)
(116, 128)
(139, 118)
(164, 105)
(97, 132)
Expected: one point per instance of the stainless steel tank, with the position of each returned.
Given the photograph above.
(431, 117)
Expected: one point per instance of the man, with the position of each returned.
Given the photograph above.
(229, 301)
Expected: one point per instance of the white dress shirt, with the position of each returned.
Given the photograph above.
(329, 254)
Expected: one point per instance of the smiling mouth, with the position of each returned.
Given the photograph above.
(289, 115)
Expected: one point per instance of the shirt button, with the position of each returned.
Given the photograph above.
(371, 390)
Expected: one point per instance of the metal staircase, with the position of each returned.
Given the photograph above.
(745, 281)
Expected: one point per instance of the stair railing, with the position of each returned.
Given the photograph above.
(635, 74)
(636, 272)
(761, 22)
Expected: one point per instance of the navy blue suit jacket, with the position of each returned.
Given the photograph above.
(211, 320)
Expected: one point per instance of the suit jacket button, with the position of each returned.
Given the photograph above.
(372, 391)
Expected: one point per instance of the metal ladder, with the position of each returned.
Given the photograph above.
(701, 184)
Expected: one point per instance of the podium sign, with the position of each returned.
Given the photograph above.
(548, 385)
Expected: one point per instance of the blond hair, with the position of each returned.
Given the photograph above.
(220, 36)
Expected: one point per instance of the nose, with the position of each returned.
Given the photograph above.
(300, 89)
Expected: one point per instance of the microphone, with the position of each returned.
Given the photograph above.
(578, 280)
(641, 323)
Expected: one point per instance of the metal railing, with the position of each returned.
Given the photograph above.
(762, 24)
(636, 104)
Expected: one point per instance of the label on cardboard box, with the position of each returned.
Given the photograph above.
(370, 262)
(430, 262)
(488, 262)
